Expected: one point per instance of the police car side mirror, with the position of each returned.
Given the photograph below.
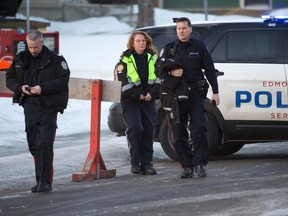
(219, 73)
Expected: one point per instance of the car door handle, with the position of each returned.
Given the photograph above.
(219, 73)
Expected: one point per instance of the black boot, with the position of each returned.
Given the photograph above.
(187, 173)
(35, 188)
(135, 170)
(148, 170)
(201, 171)
(44, 187)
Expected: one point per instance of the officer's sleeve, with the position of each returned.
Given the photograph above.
(210, 72)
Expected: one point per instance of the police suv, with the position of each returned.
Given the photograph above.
(253, 55)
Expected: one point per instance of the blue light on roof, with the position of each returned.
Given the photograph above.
(275, 19)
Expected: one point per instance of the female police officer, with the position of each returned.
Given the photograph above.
(140, 88)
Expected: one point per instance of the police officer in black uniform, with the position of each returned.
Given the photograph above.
(140, 87)
(191, 56)
(39, 79)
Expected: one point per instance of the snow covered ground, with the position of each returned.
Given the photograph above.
(91, 48)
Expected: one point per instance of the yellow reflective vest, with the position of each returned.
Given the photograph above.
(126, 72)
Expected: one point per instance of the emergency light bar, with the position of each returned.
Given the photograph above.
(275, 19)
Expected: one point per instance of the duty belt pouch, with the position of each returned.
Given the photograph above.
(203, 87)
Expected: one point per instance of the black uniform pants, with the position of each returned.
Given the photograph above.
(140, 119)
(192, 110)
(40, 131)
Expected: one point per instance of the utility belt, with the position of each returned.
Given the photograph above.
(192, 86)
(198, 84)
(201, 86)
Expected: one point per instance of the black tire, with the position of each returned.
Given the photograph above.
(213, 133)
(227, 149)
(115, 119)
(215, 136)
(165, 136)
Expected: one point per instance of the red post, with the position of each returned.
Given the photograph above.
(94, 166)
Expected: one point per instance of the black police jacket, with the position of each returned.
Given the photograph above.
(192, 57)
(195, 58)
(53, 77)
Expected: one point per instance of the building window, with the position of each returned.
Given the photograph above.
(258, 4)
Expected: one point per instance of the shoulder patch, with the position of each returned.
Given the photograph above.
(120, 68)
(64, 65)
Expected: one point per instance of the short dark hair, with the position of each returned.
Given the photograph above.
(184, 19)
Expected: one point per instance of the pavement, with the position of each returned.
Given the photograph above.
(251, 182)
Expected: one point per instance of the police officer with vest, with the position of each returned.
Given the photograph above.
(39, 79)
(186, 58)
(140, 88)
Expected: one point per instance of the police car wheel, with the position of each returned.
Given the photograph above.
(165, 136)
(213, 133)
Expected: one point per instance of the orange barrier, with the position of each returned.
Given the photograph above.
(4, 64)
(94, 166)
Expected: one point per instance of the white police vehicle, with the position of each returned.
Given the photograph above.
(253, 90)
